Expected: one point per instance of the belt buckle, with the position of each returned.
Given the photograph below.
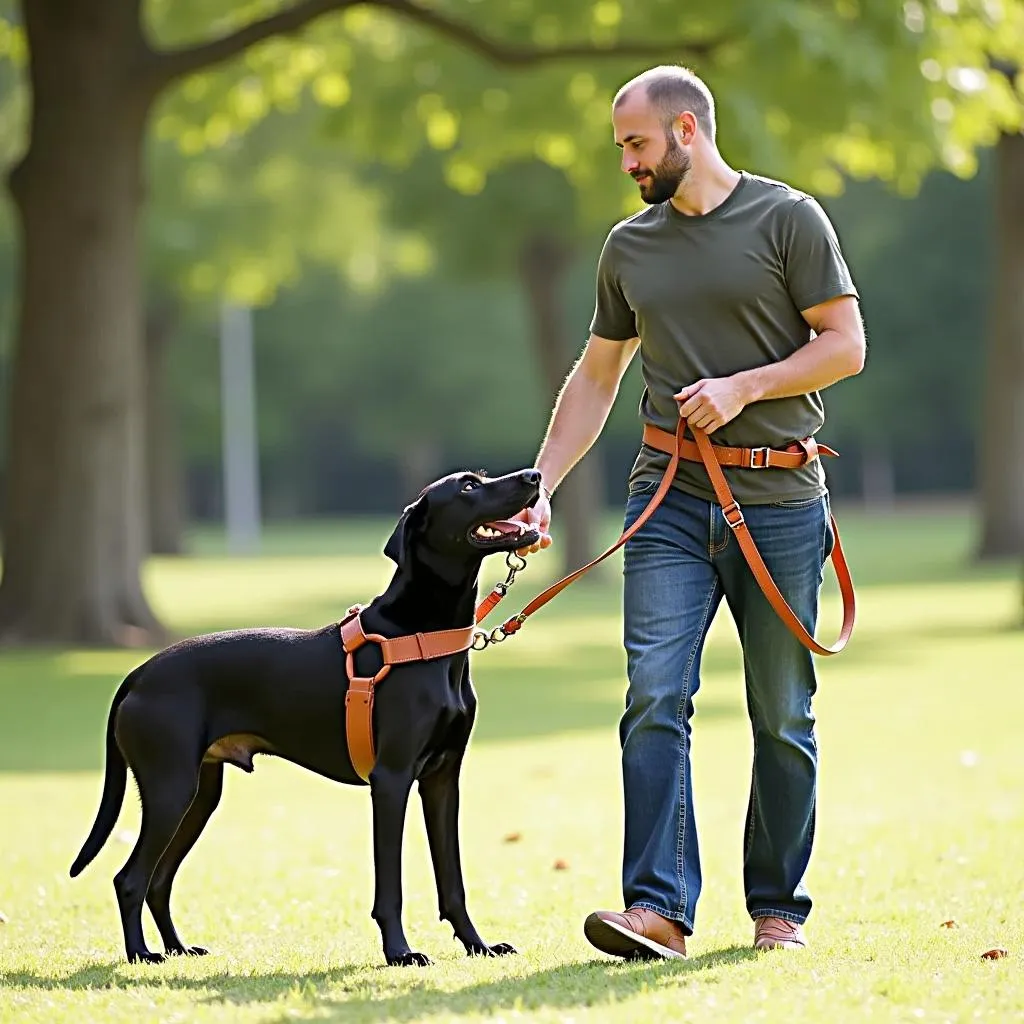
(754, 452)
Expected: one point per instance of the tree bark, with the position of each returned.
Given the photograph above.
(165, 486)
(544, 262)
(74, 524)
(1001, 431)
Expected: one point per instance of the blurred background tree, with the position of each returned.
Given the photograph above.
(319, 174)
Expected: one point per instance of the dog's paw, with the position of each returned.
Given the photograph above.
(146, 958)
(186, 951)
(501, 949)
(409, 960)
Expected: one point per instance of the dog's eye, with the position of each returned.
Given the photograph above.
(468, 485)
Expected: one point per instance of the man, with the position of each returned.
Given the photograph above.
(734, 290)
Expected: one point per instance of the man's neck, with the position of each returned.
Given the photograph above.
(705, 187)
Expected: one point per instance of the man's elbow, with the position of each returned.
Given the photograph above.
(854, 354)
(857, 355)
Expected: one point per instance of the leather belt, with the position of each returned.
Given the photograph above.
(794, 456)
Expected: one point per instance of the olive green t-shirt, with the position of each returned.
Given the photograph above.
(714, 294)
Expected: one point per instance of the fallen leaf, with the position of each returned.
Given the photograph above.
(561, 865)
(994, 954)
(949, 924)
(513, 837)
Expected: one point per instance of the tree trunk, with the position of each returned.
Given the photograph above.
(1001, 435)
(74, 527)
(165, 486)
(543, 264)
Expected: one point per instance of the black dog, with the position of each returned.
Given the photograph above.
(221, 698)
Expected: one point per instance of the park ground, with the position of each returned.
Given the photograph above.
(918, 868)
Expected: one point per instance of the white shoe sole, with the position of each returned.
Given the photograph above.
(615, 940)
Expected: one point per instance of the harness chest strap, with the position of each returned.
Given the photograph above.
(394, 651)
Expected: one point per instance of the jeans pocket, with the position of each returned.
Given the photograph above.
(797, 502)
(644, 487)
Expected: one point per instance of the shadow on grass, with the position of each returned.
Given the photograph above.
(588, 983)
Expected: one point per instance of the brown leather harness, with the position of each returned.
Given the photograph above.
(444, 643)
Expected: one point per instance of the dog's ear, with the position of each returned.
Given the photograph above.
(398, 542)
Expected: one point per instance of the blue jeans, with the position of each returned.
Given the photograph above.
(677, 568)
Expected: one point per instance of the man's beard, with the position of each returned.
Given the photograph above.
(666, 178)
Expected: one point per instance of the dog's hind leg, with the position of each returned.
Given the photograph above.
(390, 796)
(158, 899)
(164, 757)
(439, 792)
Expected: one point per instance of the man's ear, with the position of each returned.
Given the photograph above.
(398, 542)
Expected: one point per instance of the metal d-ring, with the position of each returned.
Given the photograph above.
(483, 640)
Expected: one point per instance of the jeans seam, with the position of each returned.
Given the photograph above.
(753, 804)
(681, 719)
(786, 915)
(672, 915)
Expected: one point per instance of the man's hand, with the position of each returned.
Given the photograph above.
(710, 404)
(537, 518)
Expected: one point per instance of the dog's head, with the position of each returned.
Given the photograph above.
(466, 516)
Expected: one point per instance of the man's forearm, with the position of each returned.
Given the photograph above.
(577, 420)
(825, 359)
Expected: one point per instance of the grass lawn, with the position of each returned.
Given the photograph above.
(921, 817)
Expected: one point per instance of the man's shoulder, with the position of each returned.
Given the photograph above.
(774, 193)
(652, 217)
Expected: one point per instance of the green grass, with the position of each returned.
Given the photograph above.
(921, 817)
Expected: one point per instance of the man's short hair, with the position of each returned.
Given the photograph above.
(671, 89)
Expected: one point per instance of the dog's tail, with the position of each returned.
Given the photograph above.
(114, 781)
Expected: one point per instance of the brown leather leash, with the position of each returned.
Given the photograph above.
(714, 457)
(443, 643)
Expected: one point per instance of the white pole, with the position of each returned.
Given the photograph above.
(238, 430)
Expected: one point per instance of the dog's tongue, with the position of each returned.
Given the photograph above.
(499, 527)
(505, 526)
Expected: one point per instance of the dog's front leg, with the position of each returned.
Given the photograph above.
(439, 792)
(390, 796)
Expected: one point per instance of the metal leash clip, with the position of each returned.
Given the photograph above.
(482, 639)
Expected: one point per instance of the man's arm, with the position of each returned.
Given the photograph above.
(579, 415)
(582, 406)
(837, 352)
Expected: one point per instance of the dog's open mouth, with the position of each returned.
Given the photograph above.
(500, 531)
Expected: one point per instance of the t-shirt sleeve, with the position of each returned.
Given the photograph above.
(815, 267)
(613, 319)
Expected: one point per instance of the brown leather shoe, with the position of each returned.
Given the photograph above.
(778, 933)
(638, 934)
